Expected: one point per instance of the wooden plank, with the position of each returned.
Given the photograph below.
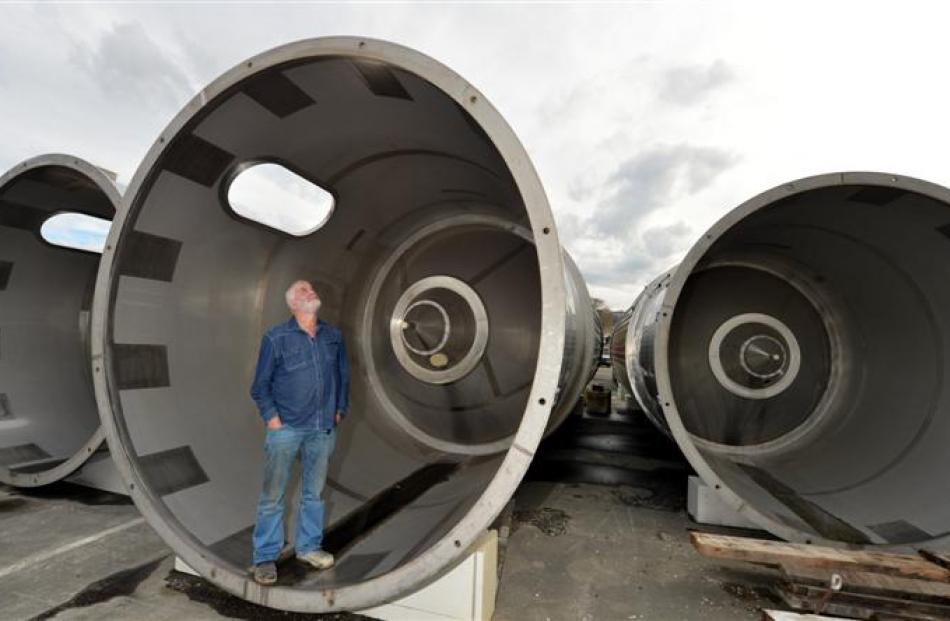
(806, 606)
(874, 583)
(794, 554)
(785, 615)
(940, 558)
(859, 604)
(842, 609)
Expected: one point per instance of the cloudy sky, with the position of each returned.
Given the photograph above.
(647, 121)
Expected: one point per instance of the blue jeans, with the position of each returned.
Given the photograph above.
(280, 451)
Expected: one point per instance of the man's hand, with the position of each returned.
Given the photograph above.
(274, 423)
(339, 417)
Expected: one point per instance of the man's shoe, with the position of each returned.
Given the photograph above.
(265, 573)
(318, 559)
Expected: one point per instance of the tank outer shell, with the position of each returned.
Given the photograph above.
(456, 543)
(108, 187)
(696, 253)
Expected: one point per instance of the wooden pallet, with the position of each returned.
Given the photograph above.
(939, 558)
(873, 585)
(784, 615)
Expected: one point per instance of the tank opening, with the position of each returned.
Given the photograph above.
(48, 212)
(807, 360)
(77, 231)
(429, 231)
(439, 329)
(273, 195)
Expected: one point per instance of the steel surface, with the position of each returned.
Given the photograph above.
(49, 425)
(441, 238)
(797, 356)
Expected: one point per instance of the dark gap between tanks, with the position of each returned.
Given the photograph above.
(627, 432)
(121, 583)
(622, 450)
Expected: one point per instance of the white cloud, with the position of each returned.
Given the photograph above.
(127, 64)
(662, 115)
(690, 84)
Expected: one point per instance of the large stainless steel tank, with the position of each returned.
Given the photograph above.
(631, 351)
(49, 425)
(798, 357)
(466, 324)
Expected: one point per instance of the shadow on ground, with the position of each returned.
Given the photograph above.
(225, 604)
(63, 490)
(624, 451)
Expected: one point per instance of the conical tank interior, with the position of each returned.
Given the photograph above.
(47, 404)
(421, 193)
(807, 357)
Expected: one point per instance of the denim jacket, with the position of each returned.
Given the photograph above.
(305, 381)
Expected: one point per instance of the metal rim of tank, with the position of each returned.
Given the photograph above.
(90, 446)
(445, 552)
(687, 442)
(405, 305)
(630, 352)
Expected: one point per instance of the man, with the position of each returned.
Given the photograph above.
(301, 388)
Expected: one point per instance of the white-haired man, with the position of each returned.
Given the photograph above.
(301, 388)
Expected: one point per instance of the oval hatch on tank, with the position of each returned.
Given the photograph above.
(279, 198)
(77, 231)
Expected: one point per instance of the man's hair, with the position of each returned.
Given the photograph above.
(289, 294)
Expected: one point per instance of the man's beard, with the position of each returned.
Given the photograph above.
(311, 306)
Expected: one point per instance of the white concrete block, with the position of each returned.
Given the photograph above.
(706, 507)
(99, 472)
(184, 568)
(466, 593)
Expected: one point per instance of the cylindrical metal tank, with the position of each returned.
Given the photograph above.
(49, 423)
(797, 356)
(465, 323)
(631, 351)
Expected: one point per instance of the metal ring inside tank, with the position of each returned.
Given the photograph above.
(411, 299)
(791, 348)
